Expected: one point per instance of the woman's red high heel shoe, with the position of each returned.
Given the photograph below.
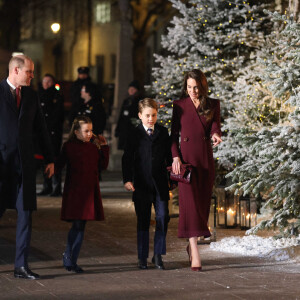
(196, 269)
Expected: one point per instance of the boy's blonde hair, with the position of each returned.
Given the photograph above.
(76, 125)
(147, 102)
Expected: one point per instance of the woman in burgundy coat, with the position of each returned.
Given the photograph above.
(81, 196)
(196, 119)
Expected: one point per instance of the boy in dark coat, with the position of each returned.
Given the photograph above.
(146, 156)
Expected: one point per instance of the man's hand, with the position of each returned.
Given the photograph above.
(49, 170)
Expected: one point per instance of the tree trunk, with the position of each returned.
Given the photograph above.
(294, 9)
(139, 52)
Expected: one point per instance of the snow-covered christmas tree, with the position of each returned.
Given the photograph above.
(217, 36)
(257, 76)
(272, 165)
(254, 107)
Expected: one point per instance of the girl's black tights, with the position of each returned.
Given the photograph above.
(75, 238)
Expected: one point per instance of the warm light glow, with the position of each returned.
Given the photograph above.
(55, 27)
(230, 211)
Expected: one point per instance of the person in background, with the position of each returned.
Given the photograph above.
(196, 119)
(75, 91)
(20, 117)
(53, 109)
(81, 196)
(144, 166)
(128, 114)
(92, 107)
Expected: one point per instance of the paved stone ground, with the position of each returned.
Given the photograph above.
(108, 257)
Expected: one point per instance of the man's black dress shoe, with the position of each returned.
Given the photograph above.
(142, 264)
(157, 260)
(26, 273)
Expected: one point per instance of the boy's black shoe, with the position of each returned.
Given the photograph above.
(157, 260)
(142, 264)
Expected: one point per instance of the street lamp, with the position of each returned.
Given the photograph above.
(55, 27)
(57, 49)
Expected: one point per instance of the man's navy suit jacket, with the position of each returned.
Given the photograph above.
(17, 129)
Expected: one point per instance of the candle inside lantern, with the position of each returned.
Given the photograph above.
(221, 216)
(253, 219)
(248, 220)
(230, 217)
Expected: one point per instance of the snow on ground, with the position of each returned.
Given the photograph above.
(251, 245)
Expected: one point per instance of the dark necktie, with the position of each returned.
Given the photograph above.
(150, 131)
(18, 96)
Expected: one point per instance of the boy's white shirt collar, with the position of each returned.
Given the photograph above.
(146, 128)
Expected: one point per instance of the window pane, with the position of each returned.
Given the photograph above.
(103, 12)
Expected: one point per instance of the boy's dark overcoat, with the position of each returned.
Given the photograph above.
(145, 160)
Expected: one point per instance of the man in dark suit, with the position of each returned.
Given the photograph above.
(20, 116)
(146, 156)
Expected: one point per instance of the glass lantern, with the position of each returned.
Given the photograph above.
(227, 204)
(248, 212)
(212, 223)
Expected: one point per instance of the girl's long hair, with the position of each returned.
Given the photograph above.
(76, 125)
(205, 107)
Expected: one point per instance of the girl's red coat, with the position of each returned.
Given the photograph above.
(81, 195)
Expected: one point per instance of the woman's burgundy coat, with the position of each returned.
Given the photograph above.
(194, 148)
(81, 195)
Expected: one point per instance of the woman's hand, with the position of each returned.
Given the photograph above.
(176, 165)
(129, 186)
(216, 139)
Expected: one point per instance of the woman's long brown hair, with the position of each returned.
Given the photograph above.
(205, 107)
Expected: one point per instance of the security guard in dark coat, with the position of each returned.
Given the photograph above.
(75, 91)
(53, 109)
(129, 112)
(92, 107)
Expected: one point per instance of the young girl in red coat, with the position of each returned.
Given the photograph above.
(81, 196)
